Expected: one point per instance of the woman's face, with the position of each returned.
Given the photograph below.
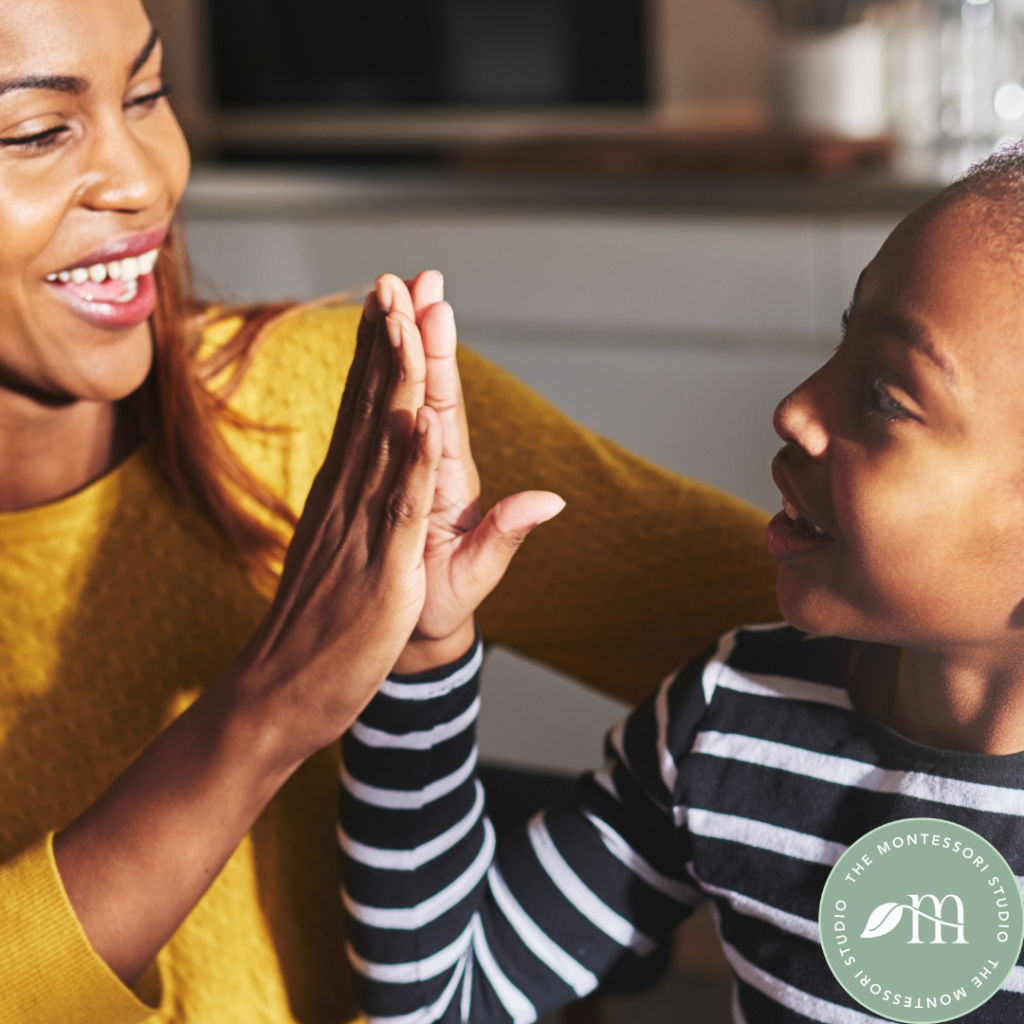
(92, 165)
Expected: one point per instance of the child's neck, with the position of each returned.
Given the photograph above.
(970, 701)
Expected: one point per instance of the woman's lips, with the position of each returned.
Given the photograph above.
(116, 294)
(113, 286)
(110, 304)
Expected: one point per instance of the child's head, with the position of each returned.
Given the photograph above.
(907, 447)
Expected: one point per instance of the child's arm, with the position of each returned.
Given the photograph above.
(448, 922)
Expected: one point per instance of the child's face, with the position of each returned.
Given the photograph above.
(907, 447)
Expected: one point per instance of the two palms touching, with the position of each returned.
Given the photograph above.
(466, 553)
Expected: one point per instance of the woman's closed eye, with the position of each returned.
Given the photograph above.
(49, 138)
(37, 141)
(150, 98)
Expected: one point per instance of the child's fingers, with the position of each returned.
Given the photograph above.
(426, 289)
(493, 543)
(405, 514)
(444, 388)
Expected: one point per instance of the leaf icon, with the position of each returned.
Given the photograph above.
(882, 919)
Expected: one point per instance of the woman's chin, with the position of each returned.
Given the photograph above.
(109, 372)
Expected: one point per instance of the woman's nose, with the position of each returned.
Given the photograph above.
(120, 176)
(798, 419)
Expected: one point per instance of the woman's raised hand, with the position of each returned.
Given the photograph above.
(466, 552)
(352, 591)
(355, 582)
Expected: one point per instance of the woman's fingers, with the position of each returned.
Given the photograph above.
(398, 416)
(406, 513)
(324, 493)
(404, 394)
(368, 400)
(365, 336)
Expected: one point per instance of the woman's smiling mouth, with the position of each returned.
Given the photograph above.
(112, 287)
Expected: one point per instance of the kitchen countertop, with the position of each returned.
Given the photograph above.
(315, 190)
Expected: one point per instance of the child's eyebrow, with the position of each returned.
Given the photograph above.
(915, 334)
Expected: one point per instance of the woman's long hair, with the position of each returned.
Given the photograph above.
(181, 418)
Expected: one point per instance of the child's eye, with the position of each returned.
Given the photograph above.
(844, 320)
(883, 405)
(150, 99)
(37, 142)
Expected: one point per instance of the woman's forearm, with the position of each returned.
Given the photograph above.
(141, 857)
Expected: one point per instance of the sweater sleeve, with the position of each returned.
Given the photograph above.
(48, 970)
(447, 921)
(641, 571)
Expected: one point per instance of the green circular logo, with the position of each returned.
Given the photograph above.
(921, 920)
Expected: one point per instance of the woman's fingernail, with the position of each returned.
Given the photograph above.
(422, 422)
(385, 294)
(394, 332)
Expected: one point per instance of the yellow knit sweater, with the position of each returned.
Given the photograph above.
(115, 611)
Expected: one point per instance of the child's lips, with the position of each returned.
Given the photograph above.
(789, 539)
(801, 521)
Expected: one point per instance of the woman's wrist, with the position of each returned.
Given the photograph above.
(422, 654)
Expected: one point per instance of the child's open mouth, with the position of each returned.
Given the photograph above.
(791, 534)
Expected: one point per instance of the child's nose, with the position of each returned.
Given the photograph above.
(798, 421)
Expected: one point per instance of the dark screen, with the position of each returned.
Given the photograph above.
(442, 52)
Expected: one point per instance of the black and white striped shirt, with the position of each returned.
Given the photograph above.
(741, 780)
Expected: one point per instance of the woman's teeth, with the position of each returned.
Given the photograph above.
(800, 522)
(127, 270)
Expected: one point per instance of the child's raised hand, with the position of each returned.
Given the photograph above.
(466, 553)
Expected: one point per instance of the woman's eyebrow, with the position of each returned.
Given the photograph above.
(73, 83)
(144, 53)
(52, 83)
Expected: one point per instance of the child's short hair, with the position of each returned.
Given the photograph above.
(997, 183)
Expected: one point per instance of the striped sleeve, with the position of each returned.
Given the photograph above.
(446, 922)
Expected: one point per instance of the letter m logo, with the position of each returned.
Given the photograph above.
(885, 918)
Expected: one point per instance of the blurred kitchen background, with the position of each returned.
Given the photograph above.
(652, 211)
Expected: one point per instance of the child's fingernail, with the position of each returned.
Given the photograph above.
(394, 332)
(550, 514)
